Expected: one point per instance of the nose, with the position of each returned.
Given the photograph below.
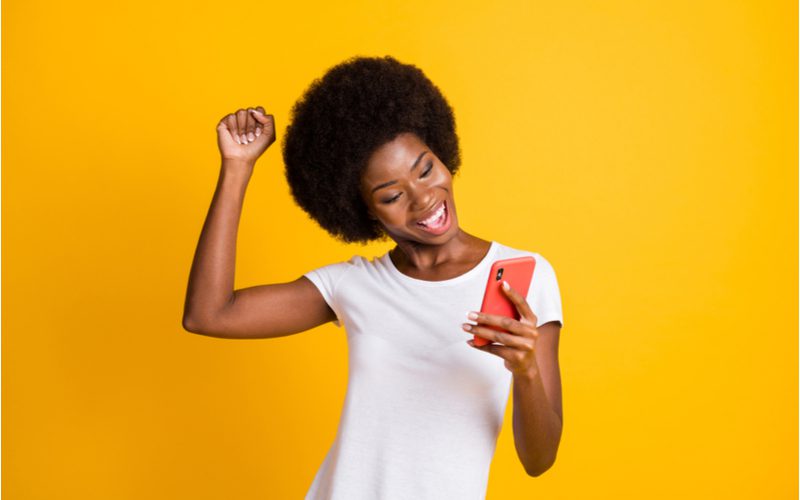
(422, 198)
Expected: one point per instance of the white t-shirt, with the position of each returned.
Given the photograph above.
(423, 409)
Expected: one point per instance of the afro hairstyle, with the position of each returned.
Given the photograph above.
(357, 106)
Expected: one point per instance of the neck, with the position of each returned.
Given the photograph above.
(421, 257)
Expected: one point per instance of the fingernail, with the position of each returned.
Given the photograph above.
(256, 111)
(251, 136)
(243, 138)
(471, 343)
(258, 131)
(236, 138)
(506, 285)
(466, 327)
(472, 315)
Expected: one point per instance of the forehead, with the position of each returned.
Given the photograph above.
(394, 158)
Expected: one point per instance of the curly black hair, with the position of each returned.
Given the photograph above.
(341, 119)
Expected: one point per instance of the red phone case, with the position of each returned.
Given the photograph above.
(518, 272)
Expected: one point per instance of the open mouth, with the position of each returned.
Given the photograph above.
(438, 222)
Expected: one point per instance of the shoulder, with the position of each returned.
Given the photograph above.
(354, 261)
(354, 266)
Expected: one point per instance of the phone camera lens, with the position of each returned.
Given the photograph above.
(499, 274)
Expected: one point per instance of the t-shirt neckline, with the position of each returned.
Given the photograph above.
(457, 279)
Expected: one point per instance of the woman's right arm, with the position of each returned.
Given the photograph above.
(212, 307)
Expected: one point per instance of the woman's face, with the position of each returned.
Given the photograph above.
(410, 191)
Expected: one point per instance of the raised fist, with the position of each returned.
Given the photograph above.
(245, 134)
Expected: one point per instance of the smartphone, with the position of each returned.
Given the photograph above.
(518, 272)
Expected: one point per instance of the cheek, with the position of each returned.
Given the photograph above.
(394, 215)
(443, 176)
(391, 213)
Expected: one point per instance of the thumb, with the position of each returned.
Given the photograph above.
(259, 115)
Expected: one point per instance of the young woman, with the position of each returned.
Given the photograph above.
(370, 154)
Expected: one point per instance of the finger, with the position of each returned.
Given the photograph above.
(504, 338)
(230, 122)
(502, 322)
(262, 119)
(268, 125)
(519, 301)
(224, 133)
(251, 125)
(506, 353)
(252, 114)
(241, 120)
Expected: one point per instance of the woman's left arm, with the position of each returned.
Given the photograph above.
(531, 354)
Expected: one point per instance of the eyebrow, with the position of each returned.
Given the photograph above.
(389, 183)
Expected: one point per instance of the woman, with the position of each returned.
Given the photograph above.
(370, 154)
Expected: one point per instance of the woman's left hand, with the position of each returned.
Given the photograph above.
(518, 340)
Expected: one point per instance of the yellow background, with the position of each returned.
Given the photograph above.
(647, 149)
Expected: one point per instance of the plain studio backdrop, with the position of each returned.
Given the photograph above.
(647, 149)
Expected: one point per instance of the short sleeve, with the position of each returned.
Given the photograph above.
(326, 278)
(544, 295)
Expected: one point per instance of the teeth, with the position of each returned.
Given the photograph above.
(435, 216)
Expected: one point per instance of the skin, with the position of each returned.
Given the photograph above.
(214, 308)
(418, 253)
(530, 353)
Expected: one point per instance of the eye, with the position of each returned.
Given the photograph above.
(428, 169)
(392, 199)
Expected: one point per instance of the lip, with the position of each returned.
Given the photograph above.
(445, 226)
(431, 212)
